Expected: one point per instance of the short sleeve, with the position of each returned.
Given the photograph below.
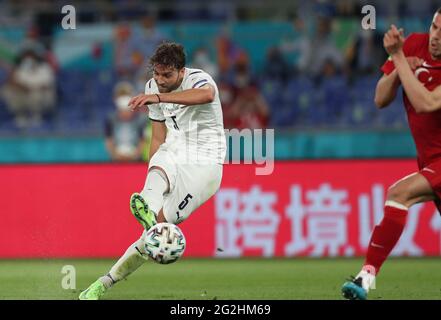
(408, 47)
(155, 112)
(197, 79)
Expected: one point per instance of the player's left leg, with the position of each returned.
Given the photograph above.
(132, 259)
(403, 194)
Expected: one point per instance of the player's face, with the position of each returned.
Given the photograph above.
(435, 37)
(167, 78)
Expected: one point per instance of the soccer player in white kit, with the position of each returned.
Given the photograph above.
(186, 154)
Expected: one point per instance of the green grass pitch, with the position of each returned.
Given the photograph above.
(222, 279)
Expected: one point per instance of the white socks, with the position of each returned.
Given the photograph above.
(394, 204)
(107, 280)
(132, 259)
(156, 186)
(367, 280)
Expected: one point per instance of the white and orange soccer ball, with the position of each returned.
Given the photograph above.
(164, 243)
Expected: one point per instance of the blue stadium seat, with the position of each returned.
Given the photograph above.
(393, 116)
(361, 111)
(300, 96)
(335, 98)
(85, 100)
(271, 89)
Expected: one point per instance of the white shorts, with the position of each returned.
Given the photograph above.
(190, 184)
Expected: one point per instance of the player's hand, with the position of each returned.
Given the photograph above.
(133, 101)
(393, 40)
(414, 62)
(142, 100)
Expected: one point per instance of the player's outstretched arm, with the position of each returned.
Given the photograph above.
(190, 97)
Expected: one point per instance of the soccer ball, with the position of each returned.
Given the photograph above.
(164, 243)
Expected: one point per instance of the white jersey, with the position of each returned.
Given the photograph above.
(195, 134)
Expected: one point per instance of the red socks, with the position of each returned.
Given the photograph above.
(384, 238)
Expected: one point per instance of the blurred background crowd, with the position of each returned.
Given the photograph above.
(285, 64)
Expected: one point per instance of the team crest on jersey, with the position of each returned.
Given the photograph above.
(423, 74)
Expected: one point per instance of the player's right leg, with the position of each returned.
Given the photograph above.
(194, 185)
(132, 259)
(146, 206)
(141, 211)
(412, 189)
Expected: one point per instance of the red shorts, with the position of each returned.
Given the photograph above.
(432, 173)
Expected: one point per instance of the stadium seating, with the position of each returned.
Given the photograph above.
(85, 95)
(85, 100)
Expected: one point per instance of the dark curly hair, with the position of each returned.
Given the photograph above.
(169, 54)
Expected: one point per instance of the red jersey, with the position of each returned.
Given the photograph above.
(425, 127)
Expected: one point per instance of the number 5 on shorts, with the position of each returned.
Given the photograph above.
(184, 202)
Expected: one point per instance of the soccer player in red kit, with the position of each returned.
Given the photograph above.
(415, 64)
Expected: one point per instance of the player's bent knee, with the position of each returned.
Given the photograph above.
(161, 172)
(399, 194)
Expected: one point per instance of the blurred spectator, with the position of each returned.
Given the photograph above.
(322, 48)
(201, 60)
(346, 8)
(227, 52)
(365, 54)
(124, 129)
(31, 42)
(276, 67)
(144, 41)
(316, 50)
(135, 45)
(240, 75)
(125, 64)
(333, 90)
(226, 95)
(30, 91)
(297, 46)
(34, 42)
(329, 71)
(223, 44)
(249, 109)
